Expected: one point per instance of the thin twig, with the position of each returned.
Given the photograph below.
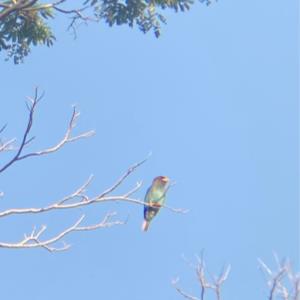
(181, 292)
(282, 282)
(79, 198)
(25, 140)
(204, 283)
(34, 241)
(3, 128)
(7, 146)
(123, 177)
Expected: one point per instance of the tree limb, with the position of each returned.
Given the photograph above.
(25, 140)
(34, 240)
(215, 286)
(15, 6)
(283, 282)
(183, 293)
(7, 146)
(79, 198)
(3, 128)
(32, 6)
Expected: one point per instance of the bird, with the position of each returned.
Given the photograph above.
(155, 197)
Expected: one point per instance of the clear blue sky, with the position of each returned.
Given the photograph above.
(216, 101)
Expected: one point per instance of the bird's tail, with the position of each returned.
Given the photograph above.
(145, 225)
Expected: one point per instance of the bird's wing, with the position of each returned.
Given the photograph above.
(147, 196)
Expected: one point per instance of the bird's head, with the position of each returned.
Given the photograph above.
(163, 180)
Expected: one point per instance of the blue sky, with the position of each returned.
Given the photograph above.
(216, 101)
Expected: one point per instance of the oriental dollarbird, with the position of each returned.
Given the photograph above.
(155, 197)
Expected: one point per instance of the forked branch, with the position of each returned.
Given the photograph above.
(68, 138)
(214, 284)
(33, 240)
(32, 6)
(283, 282)
(79, 198)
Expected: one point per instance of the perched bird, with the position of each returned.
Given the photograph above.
(155, 197)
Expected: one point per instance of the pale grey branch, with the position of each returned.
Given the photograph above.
(34, 239)
(79, 198)
(205, 284)
(181, 292)
(7, 146)
(283, 282)
(68, 138)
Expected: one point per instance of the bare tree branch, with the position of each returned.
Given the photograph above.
(3, 128)
(84, 201)
(122, 178)
(204, 283)
(69, 202)
(79, 198)
(77, 15)
(296, 280)
(183, 293)
(25, 140)
(220, 280)
(7, 146)
(200, 271)
(34, 241)
(283, 282)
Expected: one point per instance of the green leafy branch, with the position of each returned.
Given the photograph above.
(25, 23)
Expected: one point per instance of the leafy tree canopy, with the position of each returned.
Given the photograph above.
(25, 23)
